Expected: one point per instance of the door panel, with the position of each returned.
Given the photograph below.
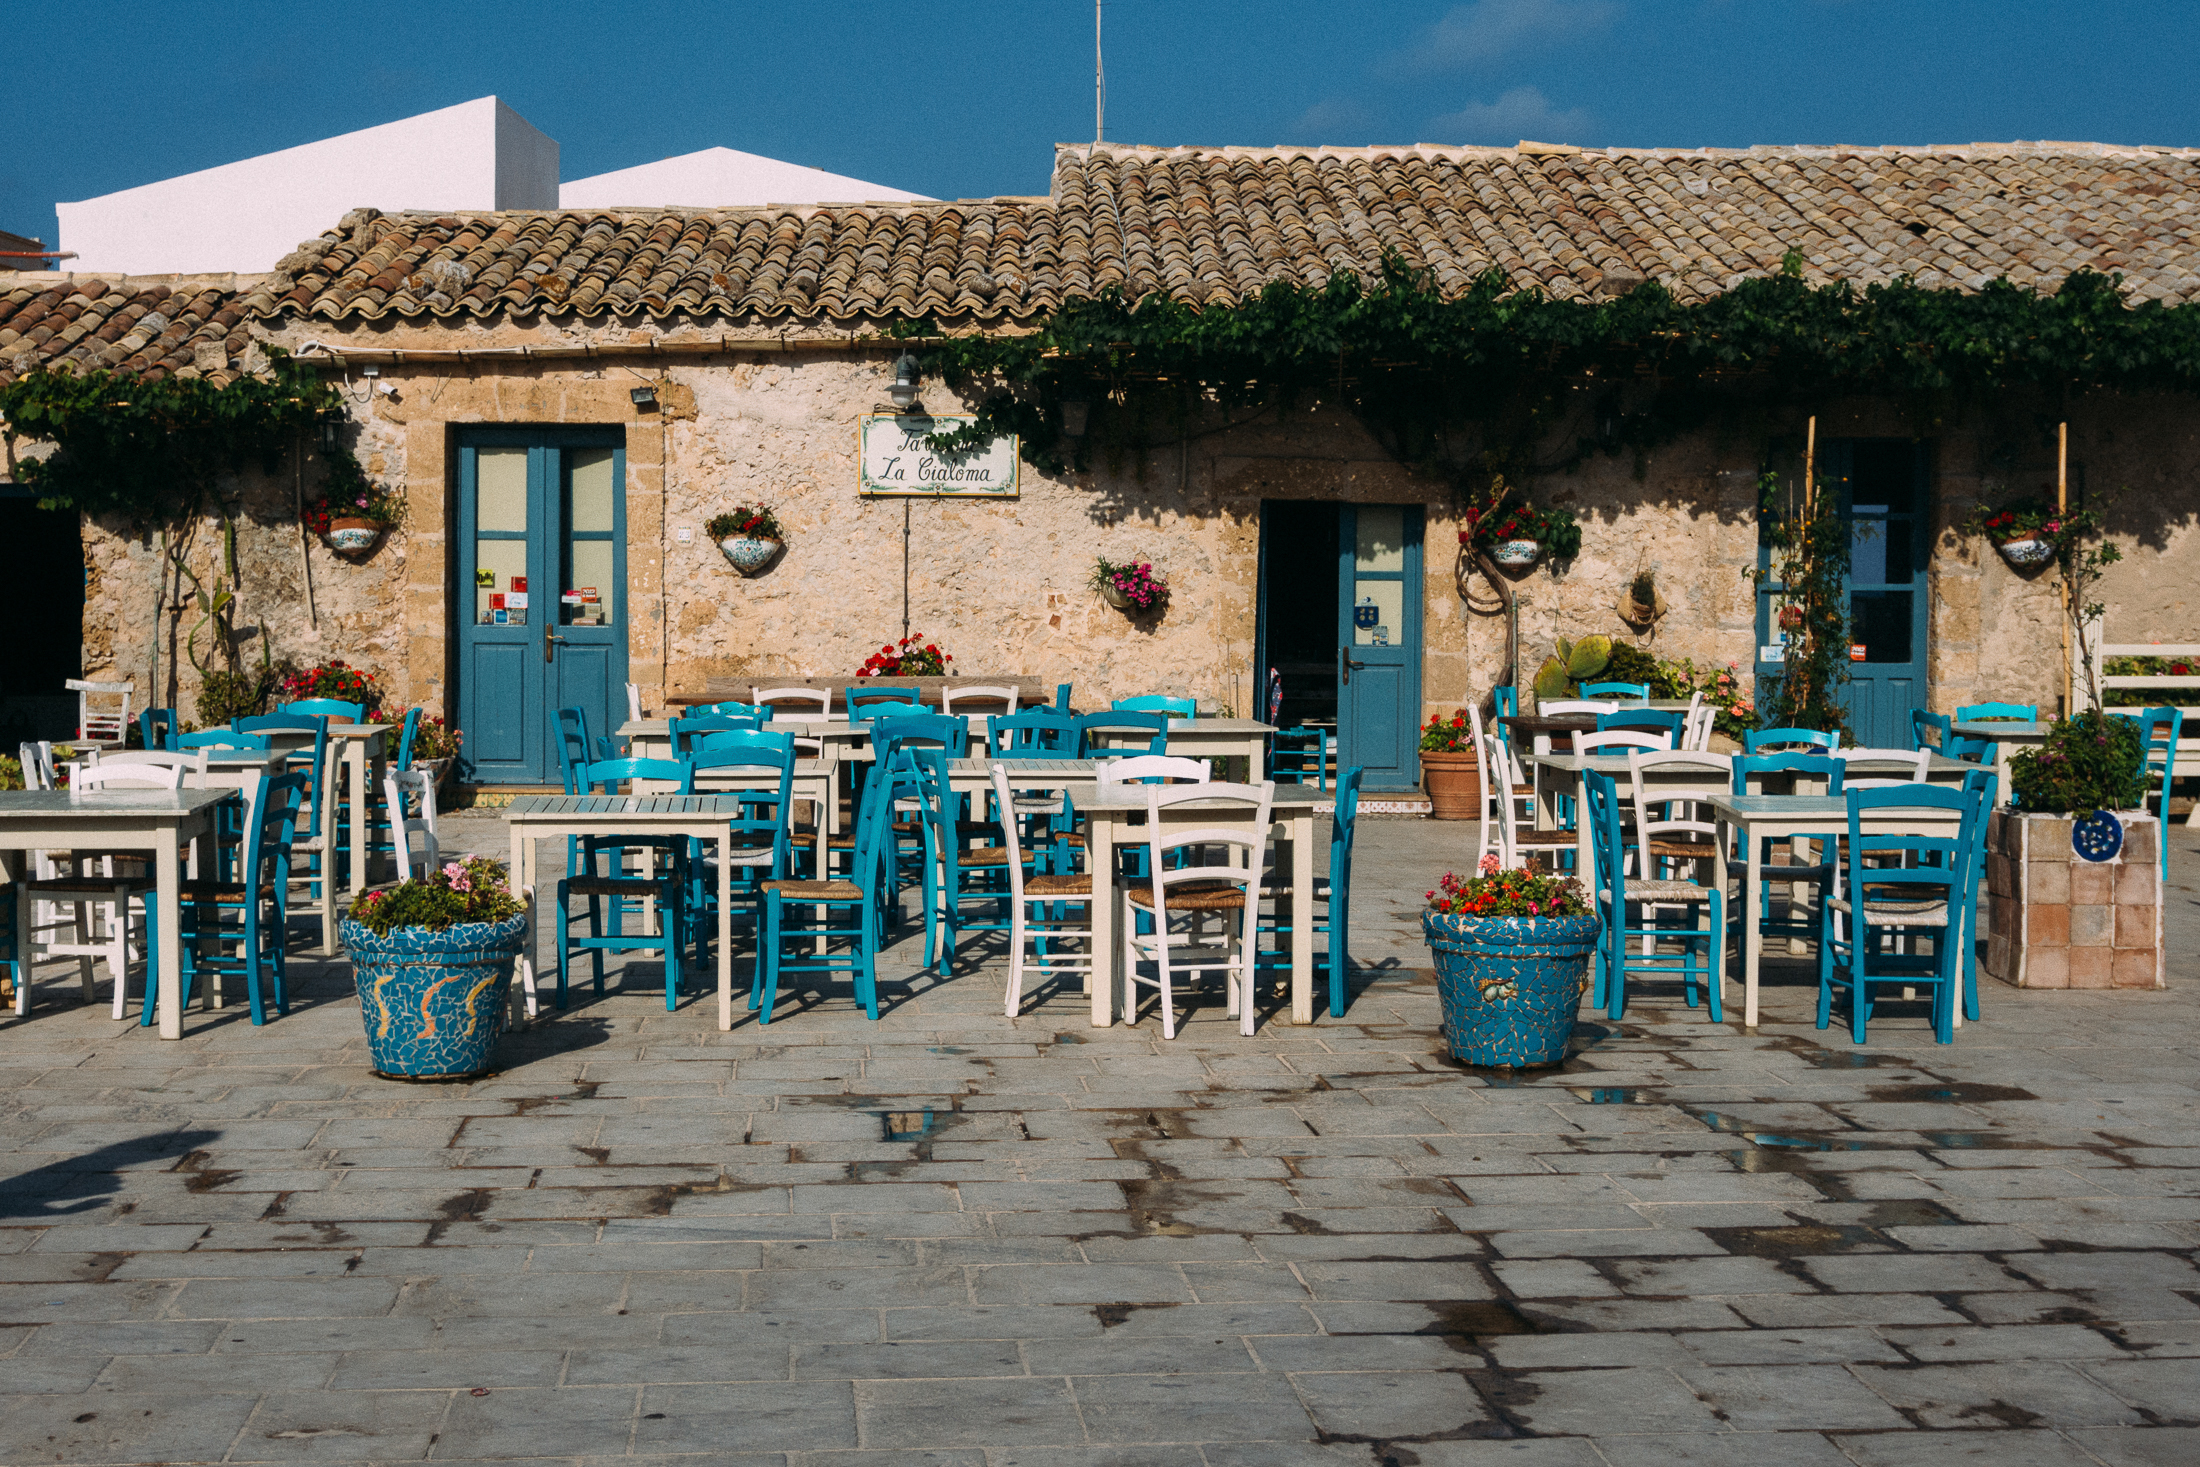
(1379, 637)
(542, 579)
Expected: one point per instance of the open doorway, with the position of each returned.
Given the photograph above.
(1298, 621)
(46, 645)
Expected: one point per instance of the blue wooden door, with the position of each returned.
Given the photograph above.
(542, 594)
(1379, 643)
(1884, 489)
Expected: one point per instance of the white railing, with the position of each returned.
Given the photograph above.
(2094, 657)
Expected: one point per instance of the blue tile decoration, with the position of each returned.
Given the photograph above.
(1510, 985)
(2098, 836)
(434, 1002)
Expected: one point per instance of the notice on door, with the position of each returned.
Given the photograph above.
(894, 460)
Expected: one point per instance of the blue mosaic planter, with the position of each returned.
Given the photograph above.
(1510, 985)
(434, 1002)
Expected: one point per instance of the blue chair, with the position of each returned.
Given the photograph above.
(1035, 733)
(223, 738)
(2159, 731)
(1972, 751)
(1980, 782)
(2023, 712)
(958, 871)
(321, 860)
(684, 731)
(1296, 754)
(1781, 740)
(405, 738)
(934, 730)
(157, 726)
(1816, 874)
(1702, 949)
(1875, 926)
(667, 886)
(865, 703)
(732, 706)
(761, 835)
(335, 708)
(860, 903)
(1504, 703)
(1924, 719)
(1061, 697)
(1616, 690)
(1093, 729)
(1333, 892)
(1645, 720)
(1156, 703)
(258, 901)
(10, 951)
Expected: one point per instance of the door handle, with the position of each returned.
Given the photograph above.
(549, 651)
(1346, 666)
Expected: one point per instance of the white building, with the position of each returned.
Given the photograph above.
(245, 216)
(723, 178)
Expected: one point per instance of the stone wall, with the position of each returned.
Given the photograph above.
(1003, 585)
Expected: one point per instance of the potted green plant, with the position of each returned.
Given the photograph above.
(1129, 586)
(1640, 605)
(433, 960)
(1512, 952)
(1451, 767)
(2074, 876)
(2028, 532)
(1516, 535)
(748, 535)
(353, 513)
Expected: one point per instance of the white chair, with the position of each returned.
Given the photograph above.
(1674, 824)
(403, 793)
(1508, 811)
(950, 696)
(1557, 706)
(1228, 891)
(1622, 740)
(37, 761)
(634, 702)
(1039, 903)
(107, 723)
(1696, 725)
(102, 890)
(1917, 761)
(822, 697)
(1139, 768)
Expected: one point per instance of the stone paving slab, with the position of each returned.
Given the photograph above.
(646, 1242)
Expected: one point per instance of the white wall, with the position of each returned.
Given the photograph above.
(245, 216)
(722, 178)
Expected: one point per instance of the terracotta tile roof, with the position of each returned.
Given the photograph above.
(190, 326)
(1211, 225)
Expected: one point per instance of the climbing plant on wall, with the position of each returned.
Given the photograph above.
(1807, 569)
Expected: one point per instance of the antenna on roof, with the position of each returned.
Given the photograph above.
(1099, 79)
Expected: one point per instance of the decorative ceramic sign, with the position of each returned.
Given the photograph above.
(894, 460)
(2098, 836)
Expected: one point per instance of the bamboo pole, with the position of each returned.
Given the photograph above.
(2062, 507)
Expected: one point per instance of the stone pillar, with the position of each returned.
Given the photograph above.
(2061, 921)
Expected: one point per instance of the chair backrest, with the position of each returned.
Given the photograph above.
(313, 723)
(102, 710)
(1238, 831)
(405, 738)
(737, 740)
(127, 774)
(156, 727)
(1615, 690)
(1700, 719)
(1061, 697)
(1928, 861)
(191, 761)
(766, 812)
(1601, 813)
(335, 709)
(869, 702)
(1343, 827)
(1094, 731)
(634, 702)
(977, 693)
(1815, 766)
(890, 732)
(1970, 751)
(223, 738)
(2022, 712)
(1670, 722)
(1504, 703)
(797, 700)
(1573, 705)
(572, 746)
(37, 761)
(1620, 739)
(1158, 703)
(1005, 799)
(685, 731)
(1663, 807)
(271, 824)
(1777, 740)
(404, 791)
(1035, 733)
(604, 776)
(2159, 731)
(1153, 769)
(1924, 720)
(1915, 763)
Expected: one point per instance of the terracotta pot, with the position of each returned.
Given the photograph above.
(749, 554)
(1454, 784)
(353, 536)
(2027, 552)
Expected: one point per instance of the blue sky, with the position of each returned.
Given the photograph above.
(964, 98)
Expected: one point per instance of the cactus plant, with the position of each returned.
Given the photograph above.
(1551, 681)
(1587, 657)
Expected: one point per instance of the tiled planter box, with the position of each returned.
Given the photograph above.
(2060, 921)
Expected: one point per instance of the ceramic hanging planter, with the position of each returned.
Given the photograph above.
(1637, 615)
(1516, 554)
(749, 554)
(2026, 551)
(353, 537)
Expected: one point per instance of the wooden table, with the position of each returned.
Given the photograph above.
(159, 821)
(1108, 814)
(697, 817)
(2006, 737)
(361, 751)
(1755, 819)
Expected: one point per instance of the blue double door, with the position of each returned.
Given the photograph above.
(541, 595)
(1885, 494)
(1340, 626)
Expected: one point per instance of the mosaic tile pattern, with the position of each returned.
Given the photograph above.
(434, 1002)
(1510, 985)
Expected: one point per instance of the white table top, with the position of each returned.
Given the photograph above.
(538, 808)
(1745, 809)
(1617, 763)
(2002, 729)
(107, 804)
(1286, 803)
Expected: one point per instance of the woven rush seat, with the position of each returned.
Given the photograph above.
(89, 885)
(816, 891)
(1215, 896)
(1662, 891)
(1545, 838)
(1058, 886)
(219, 891)
(1683, 850)
(1889, 914)
(983, 856)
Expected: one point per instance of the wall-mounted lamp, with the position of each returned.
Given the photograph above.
(904, 390)
(1076, 417)
(331, 425)
(643, 398)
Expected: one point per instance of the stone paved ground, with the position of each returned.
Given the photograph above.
(953, 1239)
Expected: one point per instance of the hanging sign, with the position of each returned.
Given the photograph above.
(894, 460)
